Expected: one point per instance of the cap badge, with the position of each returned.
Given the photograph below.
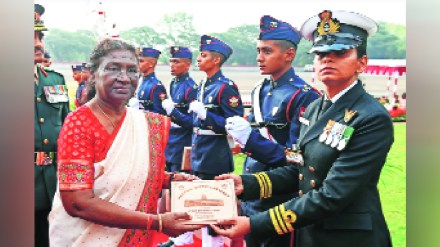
(176, 48)
(208, 41)
(273, 24)
(327, 24)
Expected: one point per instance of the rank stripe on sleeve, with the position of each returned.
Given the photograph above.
(289, 217)
(261, 185)
(268, 184)
(265, 184)
(275, 222)
(280, 219)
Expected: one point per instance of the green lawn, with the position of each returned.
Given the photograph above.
(392, 185)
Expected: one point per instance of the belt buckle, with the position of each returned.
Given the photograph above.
(196, 131)
(43, 158)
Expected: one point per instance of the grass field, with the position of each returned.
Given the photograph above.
(392, 185)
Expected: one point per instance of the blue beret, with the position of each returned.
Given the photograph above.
(273, 29)
(180, 52)
(150, 52)
(209, 43)
(339, 30)
(77, 68)
(46, 54)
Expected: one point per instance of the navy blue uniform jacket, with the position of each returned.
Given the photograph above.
(211, 154)
(183, 91)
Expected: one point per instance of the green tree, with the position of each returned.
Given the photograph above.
(302, 56)
(143, 36)
(177, 29)
(388, 43)
(65, 46)
(243, 41)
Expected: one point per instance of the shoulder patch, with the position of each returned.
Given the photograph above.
(233, 101)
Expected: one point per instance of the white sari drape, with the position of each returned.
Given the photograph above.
(120, 178)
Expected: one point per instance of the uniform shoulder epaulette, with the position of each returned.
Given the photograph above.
(47, 70)
(226, 80)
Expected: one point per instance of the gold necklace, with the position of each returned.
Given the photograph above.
(105, 114)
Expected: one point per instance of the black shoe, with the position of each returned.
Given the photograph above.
(168, 243)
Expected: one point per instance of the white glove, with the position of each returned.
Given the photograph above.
(198, 108)
(239, 129)
(168, 105)
(134, 103)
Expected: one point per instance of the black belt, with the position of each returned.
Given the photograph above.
(146, 102)
(269, 124)
(44, 158)
(181, 105)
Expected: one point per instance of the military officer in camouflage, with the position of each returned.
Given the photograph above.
(151, 91)
(277, 104)
(51, 107)
(344, 140)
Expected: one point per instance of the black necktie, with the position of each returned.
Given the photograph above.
(325, 105)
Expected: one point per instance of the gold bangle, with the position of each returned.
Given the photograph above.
(160, 222)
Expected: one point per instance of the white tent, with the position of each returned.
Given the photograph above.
(394, 68)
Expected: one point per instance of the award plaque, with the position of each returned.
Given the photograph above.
(205, 200)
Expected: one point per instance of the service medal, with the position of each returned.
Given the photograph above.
(338, 136)
(333, 133)
(323, 136)
(329, 139)
(326, 130)
(341, 144)
(335, 141)
(348, 132)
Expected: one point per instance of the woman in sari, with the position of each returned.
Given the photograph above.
(111, 162)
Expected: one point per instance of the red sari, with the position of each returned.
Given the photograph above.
(82, 144)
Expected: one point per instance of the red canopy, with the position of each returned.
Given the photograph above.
(386, 67)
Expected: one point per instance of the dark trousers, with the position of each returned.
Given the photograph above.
(173, 167)
(41, 228)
